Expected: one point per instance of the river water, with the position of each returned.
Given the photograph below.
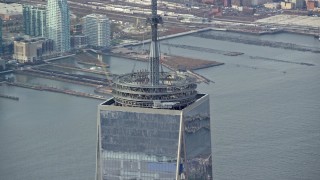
(265, 115)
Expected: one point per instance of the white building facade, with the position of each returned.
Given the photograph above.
(97, 28)
(32, 50)
(58, 24)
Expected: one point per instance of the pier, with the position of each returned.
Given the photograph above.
(259, 42)
(174, 62)
(9, 97)
(183, 63)
(199, 77)
(279, 60)
(259, 31)
(67, 66)
(89, 59)
(202, 49)
(57, 90)
(83, 79)
(103, 90)
(6, 72)
(169, 36)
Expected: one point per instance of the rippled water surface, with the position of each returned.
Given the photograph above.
(265, 116)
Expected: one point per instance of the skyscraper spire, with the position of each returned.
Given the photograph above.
(155, 124)
(154, 57)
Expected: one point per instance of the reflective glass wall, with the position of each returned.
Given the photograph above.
(137, 145)
(196, 154)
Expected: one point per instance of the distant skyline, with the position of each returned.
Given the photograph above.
(58, 24)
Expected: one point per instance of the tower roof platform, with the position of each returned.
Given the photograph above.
(174, 91)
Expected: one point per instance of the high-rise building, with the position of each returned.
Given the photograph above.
(58, 24)
(34, 20)
(154, 143)
(97, 28)
(156, 126)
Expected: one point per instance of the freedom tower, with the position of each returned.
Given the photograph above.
(156, 126)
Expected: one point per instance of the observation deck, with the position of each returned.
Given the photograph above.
(174, 91)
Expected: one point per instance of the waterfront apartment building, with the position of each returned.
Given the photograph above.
(32, 50)
(97, 28)
(58, 24)
(34, 20)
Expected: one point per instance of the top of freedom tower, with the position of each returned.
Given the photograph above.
(154, 89)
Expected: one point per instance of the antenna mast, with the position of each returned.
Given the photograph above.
(154, 57)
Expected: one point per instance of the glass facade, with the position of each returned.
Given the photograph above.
(137, 145)
(196, 154)
(34, 20)
(97, 28)
(58, 24)
(144, 143)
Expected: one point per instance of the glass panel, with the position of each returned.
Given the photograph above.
(197, 138)
(138, 145)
